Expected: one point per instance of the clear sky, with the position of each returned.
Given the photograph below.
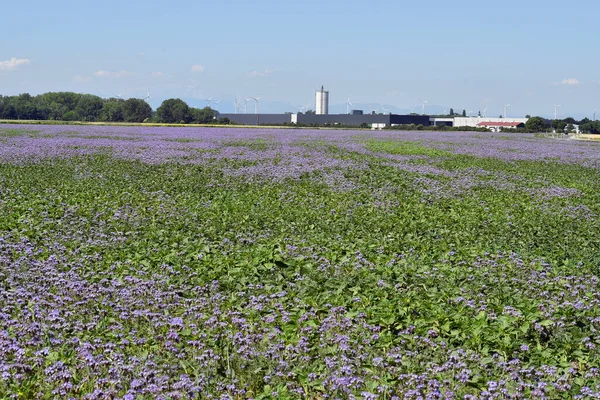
(461, 54)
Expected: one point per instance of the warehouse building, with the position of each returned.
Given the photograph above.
(258, 119)
(354, 119)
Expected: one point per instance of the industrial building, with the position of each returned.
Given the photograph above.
(322, 102)
(355, 119)
(321, 117)
(476, 121)
(379, 120)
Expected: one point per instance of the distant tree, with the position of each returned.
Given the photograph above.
(464, 113)
(9, 112)
(112, 111)
(569, 120)
(590, 127)
(70, 116)
(536, 124)
(173, 111)
(89, 107)
(202, 116)
(479, 114)
(584, 121)
(452, 112)
(528, 116)
(136, 110)
(558, 125)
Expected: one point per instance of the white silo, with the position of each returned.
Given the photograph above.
(322, 106)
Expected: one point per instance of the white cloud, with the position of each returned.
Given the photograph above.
(570, 81)
(111, 74)
(13, 63)
(198, 68)
(257, 74)
(157, 74)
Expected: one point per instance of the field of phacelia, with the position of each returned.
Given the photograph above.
(181, 263)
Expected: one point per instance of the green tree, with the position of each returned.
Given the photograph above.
(559, 125)
(536, 124)
(590, 127)
(70, 116)
(173, 111)
(112, 111)
(89, 107)
(452, 111)
(136, 110)
(202, 116)
(464, 113)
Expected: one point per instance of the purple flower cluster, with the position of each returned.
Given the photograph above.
(340, 322)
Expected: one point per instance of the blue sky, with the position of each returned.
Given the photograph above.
(461, 54)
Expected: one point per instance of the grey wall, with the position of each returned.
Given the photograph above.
(342, 119)
(357, 120)
(339, 119)
(410, 119)
(258, 119)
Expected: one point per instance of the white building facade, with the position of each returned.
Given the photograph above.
(322, 102)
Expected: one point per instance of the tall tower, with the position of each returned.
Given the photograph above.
(322, 106)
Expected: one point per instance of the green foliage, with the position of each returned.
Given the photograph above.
(404, 148)
(205, 115)
(173, 111)
(558, 125)
(136, 110)
(536, 124)
(89, 108)
(436, 275)
(590, 127)
(112, 112)
(69, 106)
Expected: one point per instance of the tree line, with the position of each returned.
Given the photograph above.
(70, 106)
(567, 125)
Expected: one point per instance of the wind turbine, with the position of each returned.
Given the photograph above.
(412, 110)
(217, 105)
(423, 106)
(385, 110)
(594, 115)
(445, 111)
(470, 112)
(119, 96)
(255, 104)
(348, 104)
(506, 110)
(236, 104)
(483, 114)
(147, 97)
(209, 101)
(556, 109)
(303, 109)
